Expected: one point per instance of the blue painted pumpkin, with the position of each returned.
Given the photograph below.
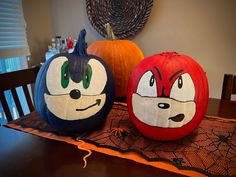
(74, 92)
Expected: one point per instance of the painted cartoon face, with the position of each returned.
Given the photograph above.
(74, 95)
(173, 111)
(165, 95)
(74, 92)
(69, 99)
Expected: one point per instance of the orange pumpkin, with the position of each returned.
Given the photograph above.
(121, 55)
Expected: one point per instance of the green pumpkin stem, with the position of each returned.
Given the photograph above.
(81, 45)
(110, 34)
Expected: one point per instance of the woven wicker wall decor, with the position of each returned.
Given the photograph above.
(127, 17)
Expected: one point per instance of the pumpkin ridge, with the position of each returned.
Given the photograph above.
(122, 56)
(123, 66)
(81, 45)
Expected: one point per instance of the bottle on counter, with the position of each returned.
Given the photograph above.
(58, 44)
(70, 44)
(53, 43)
(63, 46)
(51, 52)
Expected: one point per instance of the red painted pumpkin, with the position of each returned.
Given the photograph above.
(121, 55)
(167, 96)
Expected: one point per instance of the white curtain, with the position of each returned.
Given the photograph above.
(13, 39)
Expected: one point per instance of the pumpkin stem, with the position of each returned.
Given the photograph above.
(110, 34)
(81, 45)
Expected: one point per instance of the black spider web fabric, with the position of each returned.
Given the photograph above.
(210, 149)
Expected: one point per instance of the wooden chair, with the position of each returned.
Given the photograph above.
(229, 86)
(11, 80)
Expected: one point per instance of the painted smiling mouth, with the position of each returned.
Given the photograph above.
(177, 118)
(98, 101)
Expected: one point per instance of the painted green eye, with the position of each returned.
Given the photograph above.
(87, 77)
(65, 75)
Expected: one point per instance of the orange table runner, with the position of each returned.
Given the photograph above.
(209, 150)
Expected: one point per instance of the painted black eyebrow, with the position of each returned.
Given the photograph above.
(159, 74)
(176, 73)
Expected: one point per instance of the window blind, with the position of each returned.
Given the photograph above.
(13, 39)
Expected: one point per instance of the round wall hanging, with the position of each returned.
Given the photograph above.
(127, 17)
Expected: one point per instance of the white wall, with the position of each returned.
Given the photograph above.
(202, 29)
(38, 28)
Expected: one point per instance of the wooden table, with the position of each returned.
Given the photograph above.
(26, 155)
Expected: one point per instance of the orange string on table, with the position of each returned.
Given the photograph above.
(121, 55)
(80, 146)
(167, 96)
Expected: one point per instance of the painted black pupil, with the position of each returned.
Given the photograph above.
(152, 80)
(180, 82)
(87, 77)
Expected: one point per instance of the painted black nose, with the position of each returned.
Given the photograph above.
(75, 94)
(163, 105)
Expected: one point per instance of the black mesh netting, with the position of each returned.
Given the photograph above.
(210, 149)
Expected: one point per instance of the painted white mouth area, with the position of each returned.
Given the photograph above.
(147, 111)
(66, 108)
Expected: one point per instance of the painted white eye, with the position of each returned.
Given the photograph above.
(183, 88)
(147, 85)
(95, 78)
(59, 82)
(57, 78)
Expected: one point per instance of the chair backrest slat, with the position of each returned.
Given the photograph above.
(229, 86)
(28, 99)
(234, 86)
(12, 80)
(18, 78)
(5, 106)
(17, 102)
